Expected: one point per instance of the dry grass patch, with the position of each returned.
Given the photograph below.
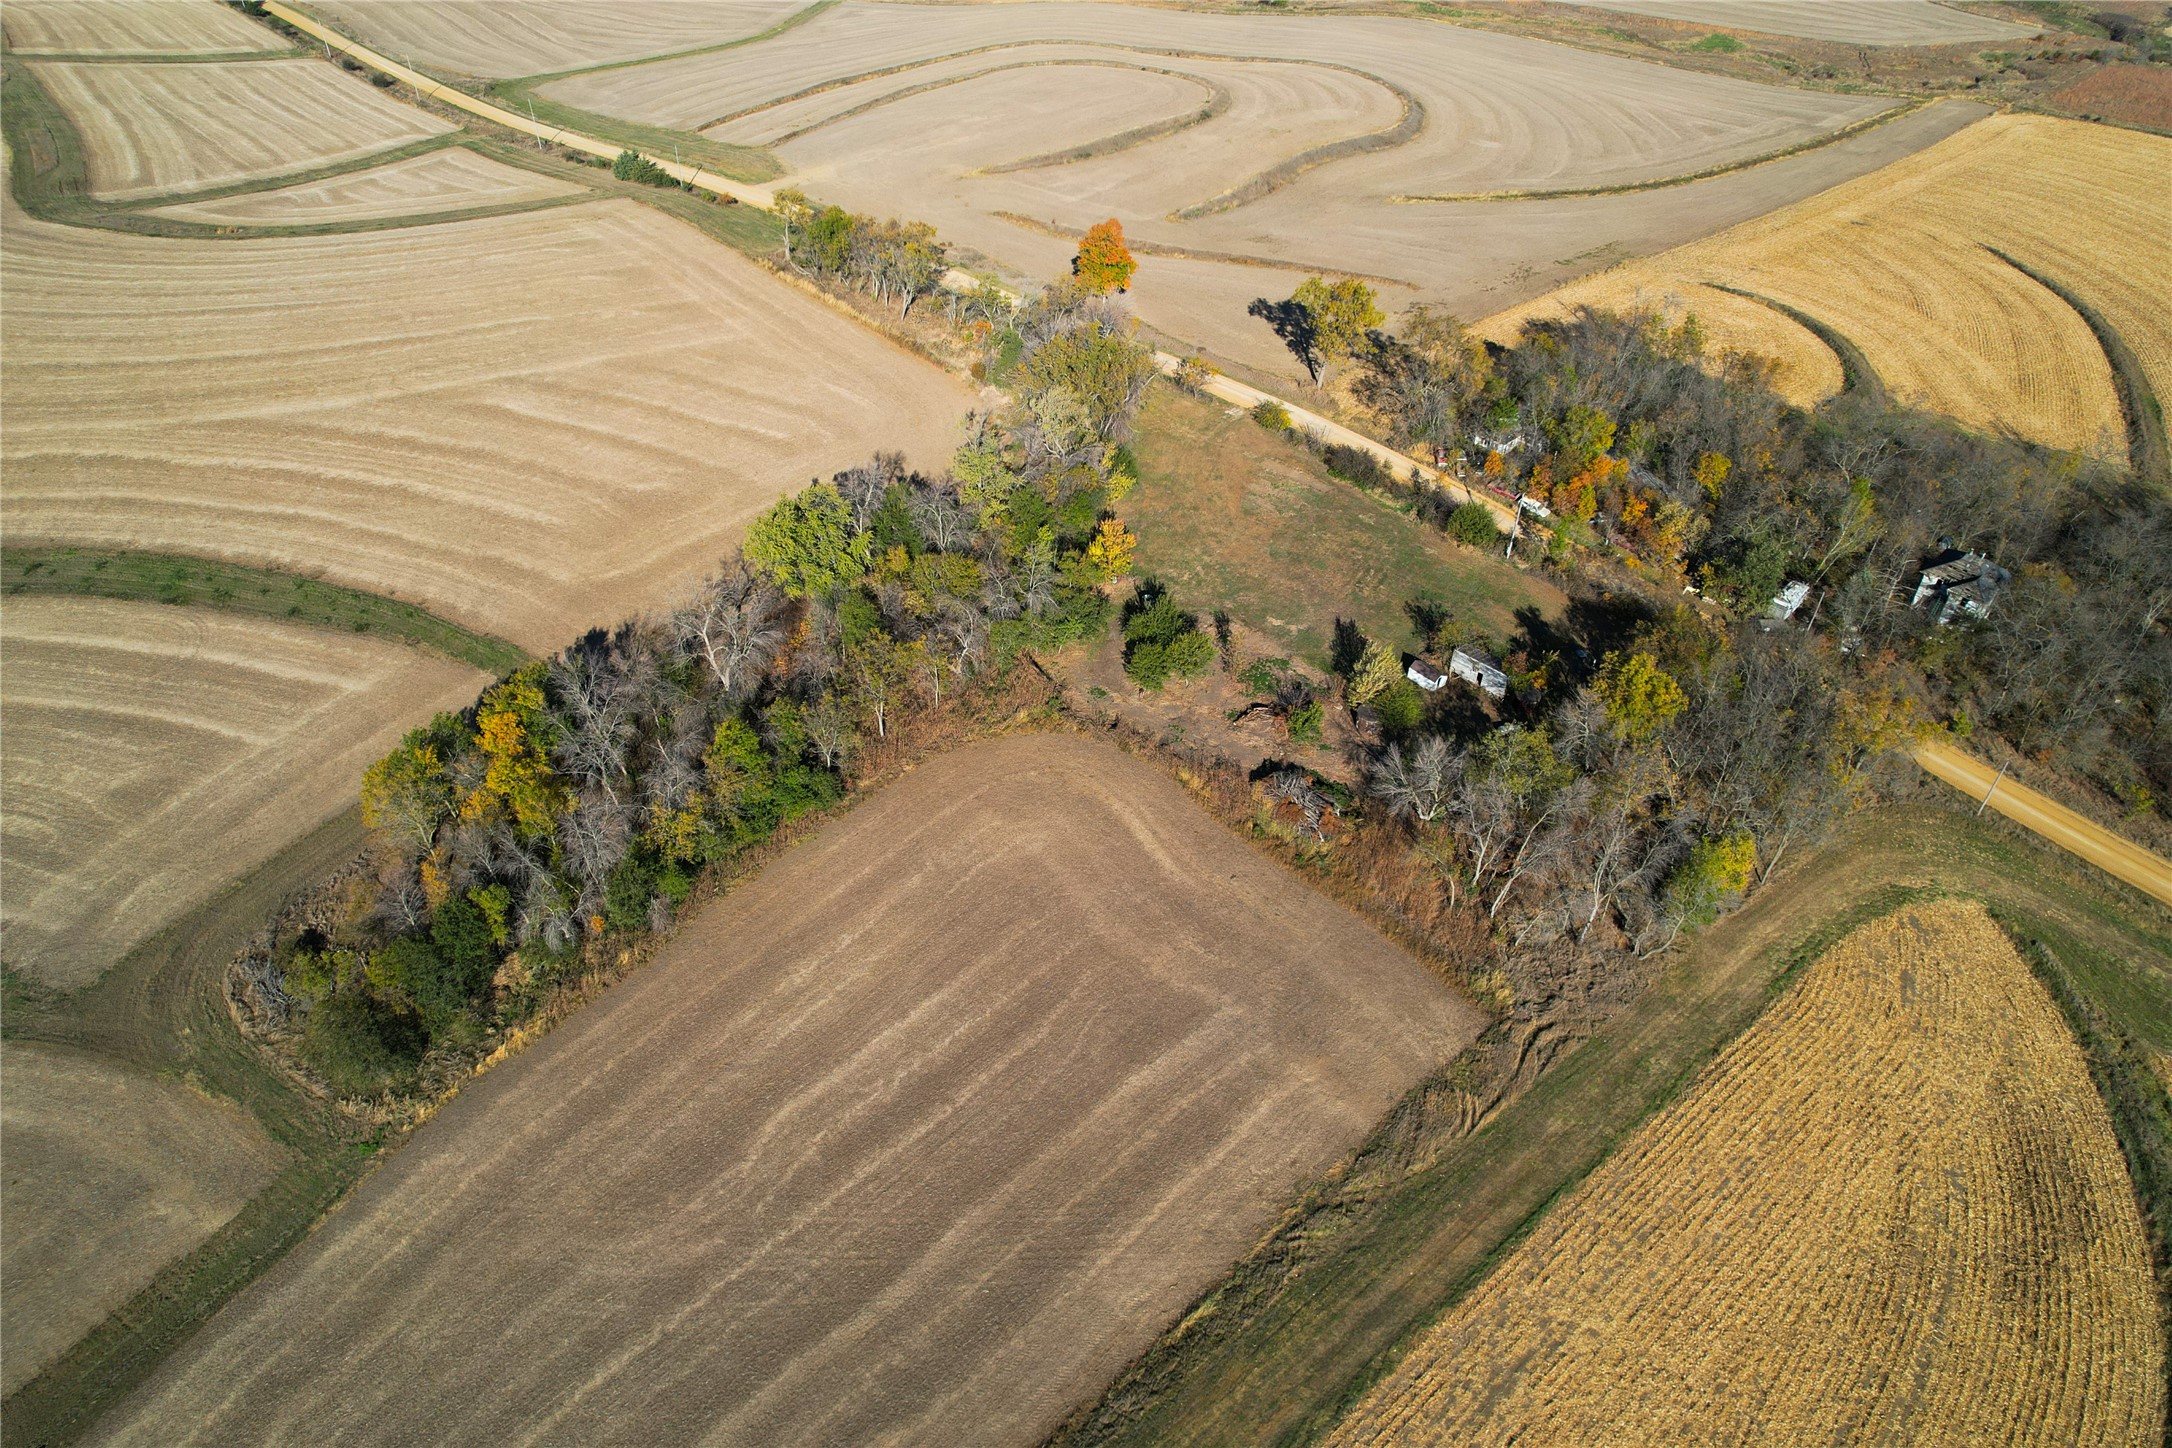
(528, 37)
(1898, 263)
(111, 1172)
(447, 180)
(1893, 1208)
(149, 128)
(913, 1139)
(131, 27)
(531, 424)
(150, 754)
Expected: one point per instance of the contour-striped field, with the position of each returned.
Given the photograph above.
(1893, 1211)
(149, 128)
(131, 27)
(914, 1138)
(1899, 262)
(529, 37)
(531, 424)
(1850, 22)
(150, 754)
(1295, 153)
(448, 180)
(111, 1172)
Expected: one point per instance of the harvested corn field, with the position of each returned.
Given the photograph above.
(149, 754)
(131, 27)
(150, 128)
(529, 37)
(1296, 145)
(111, 1172)
(530, 424)
(1893, 1211)
(1900, 263)
(914, 1138)
(454, 179)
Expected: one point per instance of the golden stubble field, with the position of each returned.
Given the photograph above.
(152, 127)
(913, 1138)
(1900, 263)
(1892, 1211)
(149, 754)
(530, 37)
(1293, 143)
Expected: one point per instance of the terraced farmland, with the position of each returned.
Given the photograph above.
(1298, 144)
(1902, 263)
(1851, 22)
(913, 1138)
(131, 27)
(111, 1172)
(528, 37)
(1893, 1210)
(137, 734)
(149, 128)
(453, 179)
(530, 424)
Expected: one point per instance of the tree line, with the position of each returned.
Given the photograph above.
(581, 797)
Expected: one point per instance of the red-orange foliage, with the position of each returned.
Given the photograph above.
(1104, 262)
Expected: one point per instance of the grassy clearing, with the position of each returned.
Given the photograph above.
(238, 588)
(164, 1008)
(1305, 1324)
(1234, 517)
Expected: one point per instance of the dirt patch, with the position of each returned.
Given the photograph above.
(449, 180)
(2132, 95)
(1894, 1206)
(110, 1172)
(149, 128)
(134, 737)
(912, 1139)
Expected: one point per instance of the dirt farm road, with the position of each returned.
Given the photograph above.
(2122, 859)
(2117, 857)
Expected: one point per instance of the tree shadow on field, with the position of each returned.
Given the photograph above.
(1292, 323)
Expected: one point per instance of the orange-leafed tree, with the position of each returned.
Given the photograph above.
(1104, 263)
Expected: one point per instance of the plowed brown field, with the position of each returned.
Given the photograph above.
(912, 1139)
(1854, 22)
(150, 754)
(1892, 1211)
(131, 27)
(532, 424)
(150, 127)
(111, 1172)
(447, 180)
(1899, 263)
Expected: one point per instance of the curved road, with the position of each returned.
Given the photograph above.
(2120, 858)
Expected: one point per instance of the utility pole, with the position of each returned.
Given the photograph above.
(1994, 789)
(532, 121)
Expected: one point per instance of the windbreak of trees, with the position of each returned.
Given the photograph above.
(891, 260)
(582, 797)
(1690, 470)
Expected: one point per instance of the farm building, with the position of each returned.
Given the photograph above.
(1426, 674)
(1959, 583)
(1786, 602)
(1478, 669)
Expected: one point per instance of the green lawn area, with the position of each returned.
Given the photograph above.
(1234, 517)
